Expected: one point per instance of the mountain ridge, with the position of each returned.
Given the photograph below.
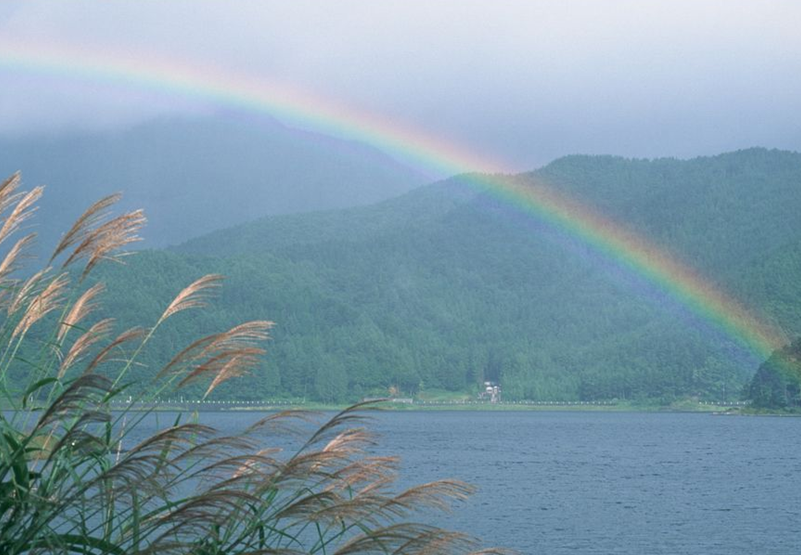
(196, 175)
(444, 287)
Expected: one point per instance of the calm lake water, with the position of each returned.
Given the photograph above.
(622, 483)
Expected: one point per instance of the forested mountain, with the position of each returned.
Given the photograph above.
(718, 213)
(444, 287)
(193, 176)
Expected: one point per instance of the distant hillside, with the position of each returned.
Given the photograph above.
(773, 281)
(195, 176)
(718, 213)
(444, 288)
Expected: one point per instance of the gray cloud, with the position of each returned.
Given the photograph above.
(522, 81)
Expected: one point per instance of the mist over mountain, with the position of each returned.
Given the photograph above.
(443, 287)
(193, 176)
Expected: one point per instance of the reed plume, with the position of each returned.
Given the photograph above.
(47, 300)
(104, 241)
(84, 306)
(83, 226)
(194, 296)
(97, 333)
(23, 209)
(12, 261)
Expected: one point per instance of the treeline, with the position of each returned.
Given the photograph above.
(777, 383)
(445, 288)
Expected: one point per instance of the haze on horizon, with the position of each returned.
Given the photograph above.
(519, 81)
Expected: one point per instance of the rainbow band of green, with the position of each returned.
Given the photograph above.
(641, 256)
(220, 86)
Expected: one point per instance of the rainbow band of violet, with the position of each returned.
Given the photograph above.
(220, 86)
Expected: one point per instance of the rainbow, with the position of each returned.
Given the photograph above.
(220, 86)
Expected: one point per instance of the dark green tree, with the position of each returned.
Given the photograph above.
(777, 383)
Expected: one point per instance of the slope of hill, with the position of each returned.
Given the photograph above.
(444, 288)
(195, 176)
(773, 281)
(718, 213)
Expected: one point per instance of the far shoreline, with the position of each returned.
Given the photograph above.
(686, 407)
(389, 406)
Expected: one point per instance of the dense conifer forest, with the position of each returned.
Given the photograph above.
(444, 287)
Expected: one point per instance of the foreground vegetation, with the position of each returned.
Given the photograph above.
(75, 477)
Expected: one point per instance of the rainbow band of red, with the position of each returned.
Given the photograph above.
(220, 86)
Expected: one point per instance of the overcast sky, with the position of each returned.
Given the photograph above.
(521, 81)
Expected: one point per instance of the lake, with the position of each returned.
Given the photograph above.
(622, 483)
